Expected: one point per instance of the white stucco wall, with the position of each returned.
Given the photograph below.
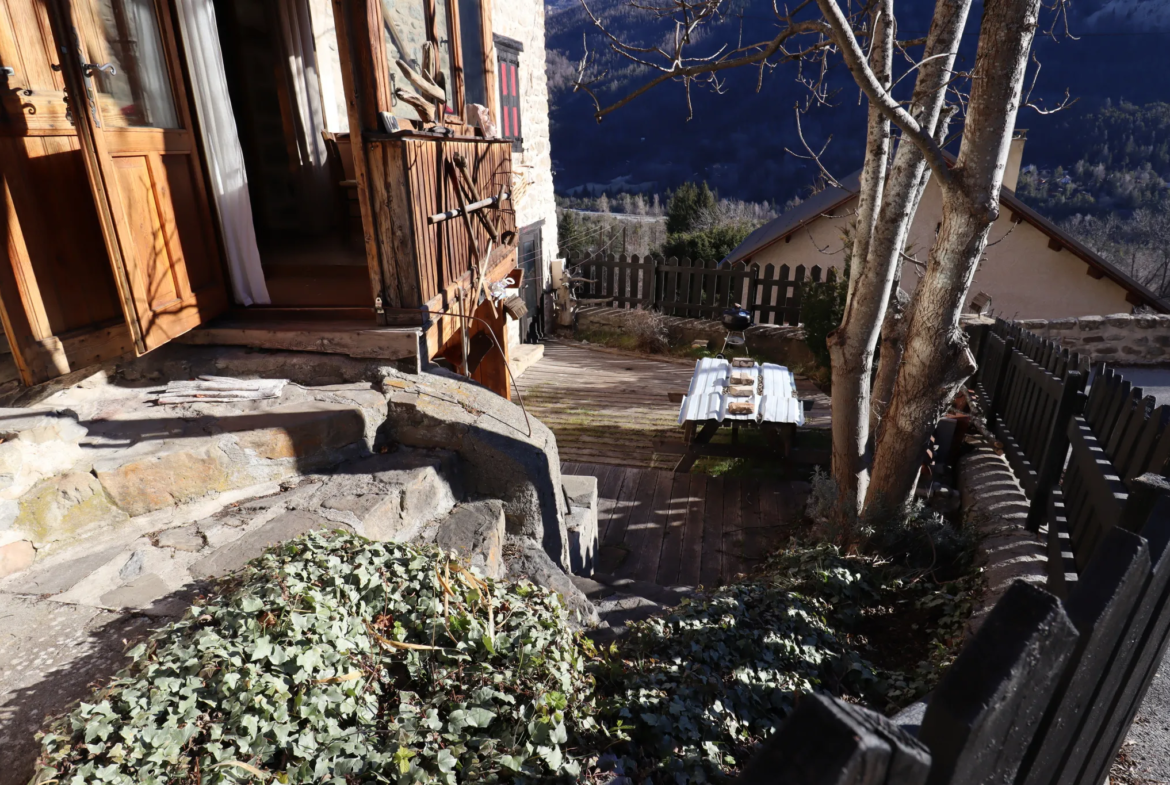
(1025, 278)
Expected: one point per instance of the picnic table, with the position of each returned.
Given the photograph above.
(738, 393)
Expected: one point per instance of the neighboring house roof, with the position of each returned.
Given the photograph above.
(806, 212)
(831, 199)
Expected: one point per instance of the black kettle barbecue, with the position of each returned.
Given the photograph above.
(737, 319)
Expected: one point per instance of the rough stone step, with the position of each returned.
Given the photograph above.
(233, 556)
(476, 532)
(248, 448)
(620, 601)
(391, 497)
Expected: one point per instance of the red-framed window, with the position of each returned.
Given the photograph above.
(511, 127)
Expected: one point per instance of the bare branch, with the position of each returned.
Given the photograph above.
(855, 59)
(678, 66)
(1065, 103)
(816, 157)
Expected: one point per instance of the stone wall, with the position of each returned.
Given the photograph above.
(783, 344)
(523, 21)
(1124, 339)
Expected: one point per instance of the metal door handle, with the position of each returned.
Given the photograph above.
(89, 68)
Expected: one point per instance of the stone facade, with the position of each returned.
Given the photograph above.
(778, 343)
(1124, 339)
(523, 21)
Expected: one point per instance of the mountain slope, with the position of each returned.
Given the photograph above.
(737, 140)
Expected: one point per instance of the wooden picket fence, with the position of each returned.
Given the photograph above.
(1045, 691)
(697, 289)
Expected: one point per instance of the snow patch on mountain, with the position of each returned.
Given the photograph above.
(1145, 15)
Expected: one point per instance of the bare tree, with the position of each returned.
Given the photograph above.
(921, 379)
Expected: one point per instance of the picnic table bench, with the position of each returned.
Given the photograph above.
(738, 393)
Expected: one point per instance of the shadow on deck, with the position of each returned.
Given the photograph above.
(688, 529)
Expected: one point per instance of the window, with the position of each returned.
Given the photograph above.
(509, 51)
(456, 30)
(471, 43)
(405, 23)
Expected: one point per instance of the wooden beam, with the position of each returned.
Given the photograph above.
(93, 345)
(366, 81)
(1135, 299)
(489, 60)
(1055, 244)
(378, 343)
(1095, 272)
(397, 211)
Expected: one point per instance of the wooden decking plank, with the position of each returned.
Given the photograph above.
(732, 540)
(641, 526)
(670, 558)
(711, 565)
(778, 517)
(608, 493)
(691, 559)
(627, 503)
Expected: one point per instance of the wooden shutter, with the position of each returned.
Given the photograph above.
(509, 75)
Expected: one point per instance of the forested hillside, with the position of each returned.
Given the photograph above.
(1111, 188)
(736, 141)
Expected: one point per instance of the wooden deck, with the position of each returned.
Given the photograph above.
(606, 407)
(688, 529)
(609, 407)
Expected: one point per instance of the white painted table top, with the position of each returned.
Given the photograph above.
(707, 397)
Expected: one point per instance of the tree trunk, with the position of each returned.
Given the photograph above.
(936, 359)
(875, 262)
(893, 342)
(851, 345)
(897, 321)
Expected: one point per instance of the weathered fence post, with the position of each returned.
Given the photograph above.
(829, 742)
(983, 714)
(1048, 473)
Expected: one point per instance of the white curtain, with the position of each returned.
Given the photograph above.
(296, 31)
(148, 61)
(225, 157)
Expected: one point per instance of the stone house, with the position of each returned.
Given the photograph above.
(285, 174)
(1030, 270)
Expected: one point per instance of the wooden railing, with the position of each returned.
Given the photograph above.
(682, 287)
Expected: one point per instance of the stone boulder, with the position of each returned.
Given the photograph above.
(581, 524)
(64, 507)
(526, 560)
(505, 454)
(392, 496)
(233, 556)
(476, 532)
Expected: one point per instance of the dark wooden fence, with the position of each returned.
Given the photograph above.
(1046, 690)
(682, 287)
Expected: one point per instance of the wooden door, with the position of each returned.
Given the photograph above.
(58, 299)
(123, 65)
